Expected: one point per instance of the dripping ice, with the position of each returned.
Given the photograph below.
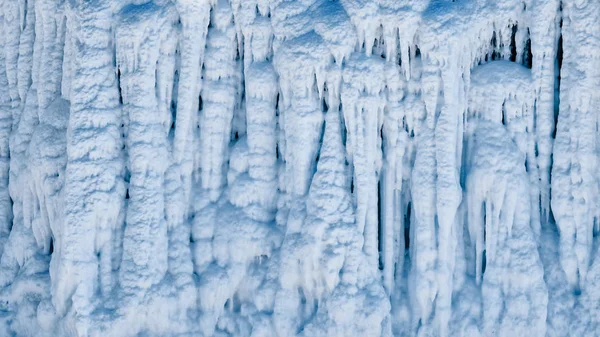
(299, 168)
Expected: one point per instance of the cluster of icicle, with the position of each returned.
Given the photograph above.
(277, 168)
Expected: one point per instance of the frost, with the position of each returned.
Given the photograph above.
(299, 168)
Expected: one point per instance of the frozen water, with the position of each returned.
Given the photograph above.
(268, 168)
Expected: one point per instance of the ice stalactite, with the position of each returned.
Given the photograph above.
(298, 168)
(575, 162)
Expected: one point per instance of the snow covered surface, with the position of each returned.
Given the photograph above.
(277, 168)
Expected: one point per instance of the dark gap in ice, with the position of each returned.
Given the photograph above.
(483, 262)
(407, 216)
(513, 44)
(119, 86)
(494, 44)
(527, 55)
(483, 257)
(379, 228)
(558, 68)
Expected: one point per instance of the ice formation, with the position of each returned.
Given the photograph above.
(283, 168)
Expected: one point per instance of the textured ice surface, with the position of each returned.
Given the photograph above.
(277, 168)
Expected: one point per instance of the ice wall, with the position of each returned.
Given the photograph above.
(299, 168)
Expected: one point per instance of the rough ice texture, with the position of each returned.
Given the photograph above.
(277, 168)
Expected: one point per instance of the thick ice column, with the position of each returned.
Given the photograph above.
(25, 257)
(21, 246)
(47, 157)
(513, 274)
(180, 264)
(422, 279)
(26, 62)
(5, 128)
(392, 221)
(218, 99)
(94, 191)
(544, 47)
(313, 256)
(330, 211)
(261, 93)
(504, 92)
(51, 33)
(145, 241)
(195, 18)
(13, 19)
(300, 62)
(261, 101)
(575, 171)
